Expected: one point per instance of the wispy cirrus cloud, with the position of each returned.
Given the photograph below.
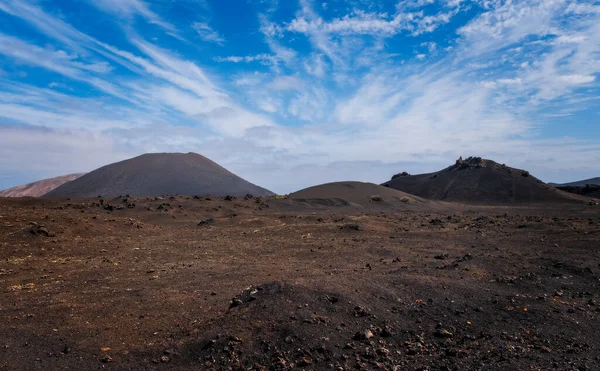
(321, 93)
(128, 9)
(207, 33)
(267, 59)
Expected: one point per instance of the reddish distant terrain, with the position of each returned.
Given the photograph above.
(480, 181)
(155, 174)
(39, 188)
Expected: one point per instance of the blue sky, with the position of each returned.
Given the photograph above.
(298, 92)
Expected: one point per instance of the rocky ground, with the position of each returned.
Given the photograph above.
(261, 284)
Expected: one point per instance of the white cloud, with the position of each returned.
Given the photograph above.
(342, 103)
(316, 66)
(286, 83)
(568, 39)
(515, 81)
(583, 8)
(206, 33)
(510, 22)
(57, 61)
(369, 24)
(48, 153)
(266, 59)
(577, 79)
(130, 8)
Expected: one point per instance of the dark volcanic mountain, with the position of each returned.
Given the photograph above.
(476, 180)
(156, 174)
(39, 188)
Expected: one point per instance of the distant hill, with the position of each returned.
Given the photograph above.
(156, 174)
(355, 194)
(589, 190)
(480, 181)
(39, 188)
(580, 183)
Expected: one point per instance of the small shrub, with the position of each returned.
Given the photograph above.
(376, 198)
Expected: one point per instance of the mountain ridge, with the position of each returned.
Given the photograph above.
(40, 187)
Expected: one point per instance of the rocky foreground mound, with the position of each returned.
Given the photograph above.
(476, 180)
(39, 188)
(157, 174)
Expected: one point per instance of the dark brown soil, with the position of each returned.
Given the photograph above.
(480, 181)
(187, 283)
(155, 174)
(39, 188)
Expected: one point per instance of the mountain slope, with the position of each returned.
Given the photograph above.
(476, 180)
(156, 174)
(580, 183)
(589, 190)
(356, 194)
(39, 188)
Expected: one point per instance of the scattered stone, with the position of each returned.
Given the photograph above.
(305, 362)
(360, 311)
(351, 226)
(443, 333)
(332, 299)
(383, 352)
(386, 332)
(558, 293)
(206, 221)
(41, 230)
(404, 173)
(106, 358)
(235, 302)
(436, 222)
(363, 335)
